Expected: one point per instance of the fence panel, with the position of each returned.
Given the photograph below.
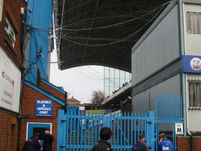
(169, 110)
(81, 132)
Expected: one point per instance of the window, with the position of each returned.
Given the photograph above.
(1, 9)
(193, 22)
(10, 31)
(194, 93)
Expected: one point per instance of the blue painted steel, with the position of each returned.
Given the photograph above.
(45, 93)
(83, 137)
(61, 131)
(126, 127)
(31, 126)
(78, 129)
(169, 110)
(131, 130)
(150, 130)
(39, 23)
(43, 108)
(191, 64)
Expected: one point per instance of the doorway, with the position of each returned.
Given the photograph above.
(33, 128)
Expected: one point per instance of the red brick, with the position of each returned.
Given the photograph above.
(8, 130)
(8, 119)
(29, 98)
(53, 91)
(183, 143)
(13, 10)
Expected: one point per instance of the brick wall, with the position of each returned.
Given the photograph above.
(196, 143)
(8, 119)
(28, 113)
(127, 108)
(53, 91)
(8, 130)
(12, 9)
(183, 143)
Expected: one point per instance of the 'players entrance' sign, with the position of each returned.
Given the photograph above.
(43, 108)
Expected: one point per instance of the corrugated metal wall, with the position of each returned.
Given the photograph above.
(159, 48)
(144, 101)
(156, 64)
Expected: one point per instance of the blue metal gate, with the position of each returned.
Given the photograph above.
(80, 132)
(169, 110)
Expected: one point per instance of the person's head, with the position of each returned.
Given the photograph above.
(142, 137)
(47, 130)
(162, 136)
(35, 136)
(105, 133)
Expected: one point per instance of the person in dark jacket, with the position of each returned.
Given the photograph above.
(48, 139)
(33, 144)
(141, 145)
(166, 144)
(104, 143)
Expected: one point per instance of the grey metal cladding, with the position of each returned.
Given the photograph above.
(159, 48)
(154, 25)
(192, 1)
(165, 73)
(145, 101)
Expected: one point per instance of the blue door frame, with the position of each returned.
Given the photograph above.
(31, 126)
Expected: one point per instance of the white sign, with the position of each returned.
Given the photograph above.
(179, 130)
(1, 9)
(82, 108)
(10, 80)
(195, 64)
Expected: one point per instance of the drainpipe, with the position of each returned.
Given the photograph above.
(182, 52)
(191, 144)
(20, 113)
(22, 81)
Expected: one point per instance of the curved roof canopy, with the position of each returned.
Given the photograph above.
(102, 32)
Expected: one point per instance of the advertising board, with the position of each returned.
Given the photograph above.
(192, 64)
(10, 81)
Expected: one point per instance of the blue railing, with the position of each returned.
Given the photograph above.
(83, 131)
(169, 108)
(168, 111)
(80, 132)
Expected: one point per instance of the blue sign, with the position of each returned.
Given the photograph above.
(43, 108)
(192, 64)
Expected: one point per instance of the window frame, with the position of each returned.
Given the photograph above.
(188, 23)
(194, 91)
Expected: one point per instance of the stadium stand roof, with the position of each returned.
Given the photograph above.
(102, 32)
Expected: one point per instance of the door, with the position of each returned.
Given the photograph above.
(33, 128)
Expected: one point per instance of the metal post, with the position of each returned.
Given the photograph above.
(150, 131)
(61, 137)
(182, 52)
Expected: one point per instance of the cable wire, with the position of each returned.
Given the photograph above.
(117, 24)
(114, 42)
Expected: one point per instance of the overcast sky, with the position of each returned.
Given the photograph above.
(79, 81)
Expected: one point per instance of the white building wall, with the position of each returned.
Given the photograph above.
(192, 47)
(192, 41)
